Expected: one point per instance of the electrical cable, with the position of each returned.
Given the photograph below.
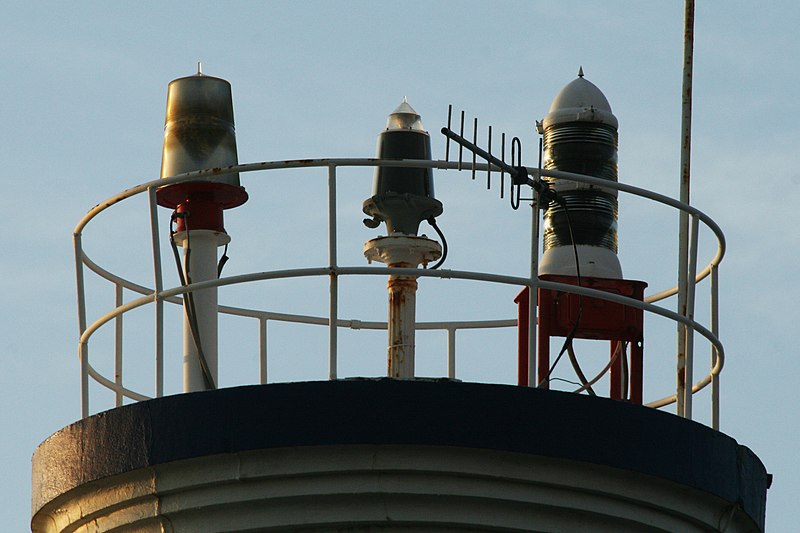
(565, 381)
(568, 340)
(193, 325)
(189, 308)
(192, 314)
(435, 226)
(578, 372)
(603, 371)
(621, 349)
(222, 261)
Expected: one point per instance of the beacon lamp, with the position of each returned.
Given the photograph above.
(199, 134)
(580, 136)
(580, 246)
(402, 197)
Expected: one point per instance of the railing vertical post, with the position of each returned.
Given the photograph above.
(159, 319)
(714, 353)
(680, 393)
(262, 342)
(83, 347)
(451, 353)
(158, 287)
(83, 354)
(118, 329)
(533, 296)
(333, 317)
(690, 297)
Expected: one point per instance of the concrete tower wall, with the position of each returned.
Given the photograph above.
(386, 455)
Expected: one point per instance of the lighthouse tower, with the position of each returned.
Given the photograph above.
(395, 452)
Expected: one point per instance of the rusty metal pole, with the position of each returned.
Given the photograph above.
(402, 251)
(402, 325)
(684, 389)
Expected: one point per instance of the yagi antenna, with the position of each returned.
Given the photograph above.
(515, 169)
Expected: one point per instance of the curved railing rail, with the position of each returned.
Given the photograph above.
(158, 295)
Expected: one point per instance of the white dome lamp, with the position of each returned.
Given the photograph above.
(580, 136)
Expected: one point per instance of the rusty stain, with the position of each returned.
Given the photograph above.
(401, 333)
(398, 283)
(302, 162)
(682, 378)
(397, 299)
(688, 53)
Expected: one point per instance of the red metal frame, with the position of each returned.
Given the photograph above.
(599, 319)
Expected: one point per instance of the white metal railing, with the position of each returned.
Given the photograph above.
(157, 295)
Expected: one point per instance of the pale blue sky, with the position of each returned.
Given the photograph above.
(83, 96)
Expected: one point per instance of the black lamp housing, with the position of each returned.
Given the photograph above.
(402, 197)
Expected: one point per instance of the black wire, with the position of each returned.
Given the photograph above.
(567, 346)
(432, 222)
(605, 369)
(222, 261)
(568, 341)
(578, 371)
(192, 314)
(189, 309)
(194, 327)
(566, 381)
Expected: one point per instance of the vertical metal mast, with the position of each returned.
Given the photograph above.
(684, 390)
